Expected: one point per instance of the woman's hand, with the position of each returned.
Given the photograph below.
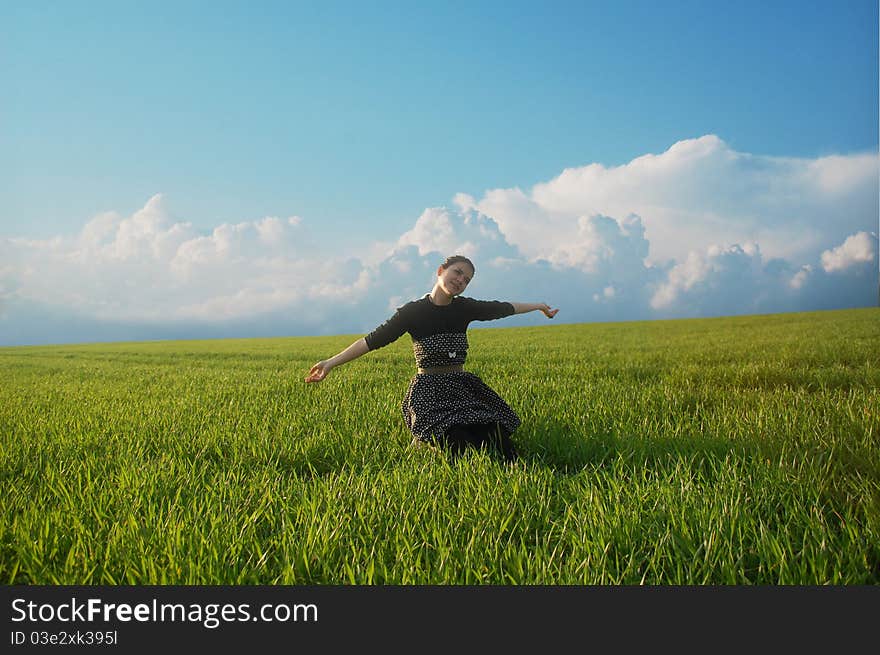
(322, 369)
(319, 371)
(549, 313)
(523, 307)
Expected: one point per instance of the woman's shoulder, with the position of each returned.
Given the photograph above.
(413, 305)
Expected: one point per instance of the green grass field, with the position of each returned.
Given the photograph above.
(715, 451)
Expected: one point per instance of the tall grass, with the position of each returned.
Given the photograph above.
(716, 451)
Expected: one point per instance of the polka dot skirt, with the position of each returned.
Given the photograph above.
(436, 401)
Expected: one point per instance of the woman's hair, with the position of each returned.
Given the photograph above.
(458, 259)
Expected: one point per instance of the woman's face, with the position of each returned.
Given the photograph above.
(455, 279)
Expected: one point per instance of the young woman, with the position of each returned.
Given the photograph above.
(444, 404)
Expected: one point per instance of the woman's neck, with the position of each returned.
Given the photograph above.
(438, 296)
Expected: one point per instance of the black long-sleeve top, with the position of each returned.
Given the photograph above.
(439, 332)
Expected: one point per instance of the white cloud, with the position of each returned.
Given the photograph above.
(858, 249)
(800, 278)
(465, 232)
(733, 276)
(738, 280)
(147, 267)
(433, 231)
(698, 193)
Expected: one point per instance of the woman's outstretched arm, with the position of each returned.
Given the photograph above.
(322, 369)
(524, 307)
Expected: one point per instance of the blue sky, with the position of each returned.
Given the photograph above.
(358, 118)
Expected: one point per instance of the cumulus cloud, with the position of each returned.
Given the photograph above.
(858, 249)
(722, 280)
(738, 280)
(698, 193)
(699, 230)
(148, 267)
(800, 278)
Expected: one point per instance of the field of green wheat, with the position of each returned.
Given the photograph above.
(724, 451)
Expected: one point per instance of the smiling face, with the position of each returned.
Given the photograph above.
(455, 278)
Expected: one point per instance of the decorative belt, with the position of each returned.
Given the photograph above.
(442, 369)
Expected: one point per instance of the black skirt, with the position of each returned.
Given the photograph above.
(436, 401)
